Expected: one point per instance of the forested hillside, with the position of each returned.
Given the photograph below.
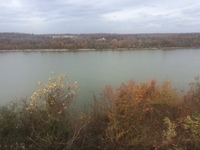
(13, 41)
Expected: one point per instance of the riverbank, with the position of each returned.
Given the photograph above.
(85, 50)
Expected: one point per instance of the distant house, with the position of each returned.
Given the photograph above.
(101, 39)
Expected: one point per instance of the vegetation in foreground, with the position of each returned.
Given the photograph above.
(133, 116)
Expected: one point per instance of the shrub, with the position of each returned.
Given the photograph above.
(46, 120)
(134, 116)
(192, 98)
(184, 133)
(94, 131)
(137, 112)
(9, 127)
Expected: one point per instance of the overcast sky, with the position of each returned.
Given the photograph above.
(99, 16)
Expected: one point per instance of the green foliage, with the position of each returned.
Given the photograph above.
(192, 125)
(9, 126)
(170, 133)
(184, 133)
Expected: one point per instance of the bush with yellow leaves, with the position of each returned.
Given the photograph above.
(46, 120)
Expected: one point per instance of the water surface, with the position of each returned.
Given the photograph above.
(20, 71)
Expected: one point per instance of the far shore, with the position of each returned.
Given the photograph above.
(82, 50)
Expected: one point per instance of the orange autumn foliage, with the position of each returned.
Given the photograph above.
(137, 111)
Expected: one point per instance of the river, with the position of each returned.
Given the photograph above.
(93, 70)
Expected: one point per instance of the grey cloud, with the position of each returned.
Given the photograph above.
(84, 16)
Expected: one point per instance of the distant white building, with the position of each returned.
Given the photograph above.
(101, 39)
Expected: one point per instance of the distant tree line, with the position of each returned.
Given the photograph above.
(12, 41)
